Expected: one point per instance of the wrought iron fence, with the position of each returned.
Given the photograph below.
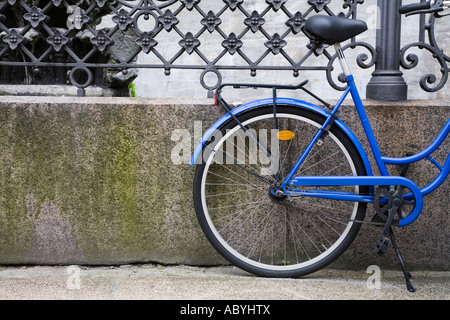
(427, 41)
(63, 41)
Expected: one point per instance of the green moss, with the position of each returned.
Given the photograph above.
(88, 162)
(15, 226)
(105, 173)
(106, 198)
(116, 185)
(116, 176)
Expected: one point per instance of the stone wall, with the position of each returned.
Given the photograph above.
(91, 181)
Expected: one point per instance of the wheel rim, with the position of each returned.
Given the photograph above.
(252, 239)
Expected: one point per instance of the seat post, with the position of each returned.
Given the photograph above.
(342, 60)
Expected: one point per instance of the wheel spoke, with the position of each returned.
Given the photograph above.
(257, 230)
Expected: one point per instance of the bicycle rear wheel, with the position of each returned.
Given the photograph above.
(253, 229)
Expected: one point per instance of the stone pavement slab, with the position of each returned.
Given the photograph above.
(156, 282)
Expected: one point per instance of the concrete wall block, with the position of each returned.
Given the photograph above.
(92, 181)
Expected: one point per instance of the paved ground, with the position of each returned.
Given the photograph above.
(154, 282)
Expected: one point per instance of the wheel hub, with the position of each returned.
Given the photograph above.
(276, 192)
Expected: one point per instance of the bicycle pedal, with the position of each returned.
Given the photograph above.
(382, 245)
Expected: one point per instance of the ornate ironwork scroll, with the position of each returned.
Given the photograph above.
(70, 38)
(410, 61)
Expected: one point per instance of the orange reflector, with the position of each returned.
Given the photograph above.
(285, 135)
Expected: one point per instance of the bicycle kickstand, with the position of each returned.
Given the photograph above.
(387, 237)
(382, 245)
(407, 275)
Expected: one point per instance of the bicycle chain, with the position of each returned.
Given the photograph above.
(378, 224)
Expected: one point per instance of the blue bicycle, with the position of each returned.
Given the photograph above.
(281, 185)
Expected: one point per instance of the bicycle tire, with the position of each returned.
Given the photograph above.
(246, 224)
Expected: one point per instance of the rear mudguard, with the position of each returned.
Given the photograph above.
(196, 157)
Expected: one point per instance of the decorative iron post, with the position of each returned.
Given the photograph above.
(387, 83)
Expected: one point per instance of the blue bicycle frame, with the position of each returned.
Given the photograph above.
(292, 181)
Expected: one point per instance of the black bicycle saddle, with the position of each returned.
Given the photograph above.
(334, 29)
